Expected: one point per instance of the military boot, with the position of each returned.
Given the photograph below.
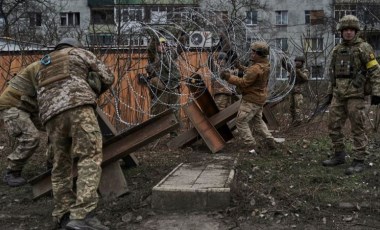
(357, 166)
(337, 159)
(64, 220)
(13, 178)
(89, 223)
(271, 144)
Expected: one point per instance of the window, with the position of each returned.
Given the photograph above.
(281, 17)
(313, 44)
(2, 21)
(218, 17)
(251, 40)
(136, 41)
(158, 15)
(102, 17)
(342, 10)
(100, 39)
(251, 17)
(314, 17)
(280, 73)
(282, 43)
(133, 14)
(317, 72)
(35, 18)
(70, 19)
(337, 38)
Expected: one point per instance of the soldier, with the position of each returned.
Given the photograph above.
(18, 109)
(164, 76)
(254, 88)
(67, 109)
(222, 90)
(352, 67)
(296, 97)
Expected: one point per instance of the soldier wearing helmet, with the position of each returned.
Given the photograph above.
(67, 109)
(300, 77)
(164, 75)
(354, 73)
(254, 88)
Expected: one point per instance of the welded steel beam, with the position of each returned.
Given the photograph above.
(206, 103)
(206, 130)
(117, 148)
(217, 120)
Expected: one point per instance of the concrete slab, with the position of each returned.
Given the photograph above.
(203, 186)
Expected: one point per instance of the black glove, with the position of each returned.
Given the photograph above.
(225, 75)
(375, 100)
(142, 79)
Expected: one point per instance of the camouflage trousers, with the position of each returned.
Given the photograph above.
(21, 127)
(163, 100)
(75, 134)
(222, 100)
(353, 109)
(249, 111)
(296, 101)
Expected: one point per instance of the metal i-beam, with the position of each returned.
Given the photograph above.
(207, 104)
(116, 148)
(216, 120)
(208, 132)
(109, 131)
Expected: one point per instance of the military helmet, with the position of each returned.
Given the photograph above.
(162, 40)
(349, 22)
(69, 42)
(222, 56)
(300, 58)
(261, 48)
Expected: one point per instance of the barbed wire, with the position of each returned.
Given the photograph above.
(206, 34)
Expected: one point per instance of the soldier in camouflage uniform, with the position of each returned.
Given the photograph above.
(18, 109)
(353, 68)
(164, 76)
(254, 88)
(221, 89)
(67, 109)
(296, 97)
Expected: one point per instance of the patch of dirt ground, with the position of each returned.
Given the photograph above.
(287, 189)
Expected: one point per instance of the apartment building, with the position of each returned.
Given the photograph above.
(296, 27)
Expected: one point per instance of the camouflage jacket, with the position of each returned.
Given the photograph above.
(63, 84)
(20, 92)
(354, 71)
(254, 84)
(302, 76)
(164, 66)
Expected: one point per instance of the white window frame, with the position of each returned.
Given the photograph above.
(321, 76)
(337, 38)
(281, 17)
(341, 10)
(251, 17)
(313, 44)
(67, 16)
(282, 43)
(132, 14)
(281, 73)
(159, 15)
